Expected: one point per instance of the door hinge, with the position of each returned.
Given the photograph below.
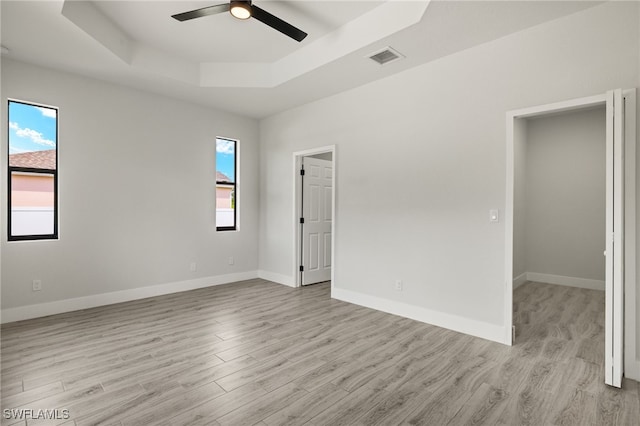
(301, 268)
(302, 220)
(301, 172)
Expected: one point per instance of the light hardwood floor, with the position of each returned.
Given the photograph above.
(261, 353)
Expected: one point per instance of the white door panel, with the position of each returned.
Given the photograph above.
(327, 203)
(317, 187)
(327, 250)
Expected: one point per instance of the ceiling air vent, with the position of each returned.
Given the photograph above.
(386, 56)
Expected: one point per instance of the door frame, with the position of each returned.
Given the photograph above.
(297, 209)
(631, 364)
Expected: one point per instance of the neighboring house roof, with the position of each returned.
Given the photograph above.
(222, 178)
(34, 159)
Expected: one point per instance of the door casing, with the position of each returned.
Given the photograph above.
(297, 210)
(631, 365)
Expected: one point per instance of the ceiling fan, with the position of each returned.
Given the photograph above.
(245, 10)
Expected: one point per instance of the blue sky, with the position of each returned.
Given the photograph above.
(225, 151)
(31, 128)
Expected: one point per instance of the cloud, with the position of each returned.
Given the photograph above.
(35, 136)
(47, 112)
(225, 147)
(14, 150)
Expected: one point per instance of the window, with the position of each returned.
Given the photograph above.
(33, 171)
(226, 190)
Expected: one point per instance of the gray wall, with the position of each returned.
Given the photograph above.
(434, 137)
(565, 187)
(136, 185)
(137, 198)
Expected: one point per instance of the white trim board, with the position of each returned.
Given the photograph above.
(297, 192)
(630, 207)
(68, 305)
(475, 328)
(566, 281)
(511, 116)
(519, 280)
(632, 364)
(558, 107)
(277, 278)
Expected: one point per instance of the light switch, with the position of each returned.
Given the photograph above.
(494, 216)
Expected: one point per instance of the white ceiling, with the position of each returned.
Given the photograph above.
(245, 66)
(222, 38)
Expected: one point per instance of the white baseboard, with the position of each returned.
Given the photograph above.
(277, 278)
(519, 280)
(68, 305)
(481, 329)
(567, 281)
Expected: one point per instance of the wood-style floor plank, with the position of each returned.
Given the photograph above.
(23, 398)
(208, 412)
(307, 407)
(258, 353)
(263, 406)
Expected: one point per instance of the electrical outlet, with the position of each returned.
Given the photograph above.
(398, 285)
(36, 285)
(193, 266)
(231, 260)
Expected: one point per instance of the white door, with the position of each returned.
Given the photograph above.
(615, 239)
(317, 184)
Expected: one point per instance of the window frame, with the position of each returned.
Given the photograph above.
(234, 184)
(29, 170)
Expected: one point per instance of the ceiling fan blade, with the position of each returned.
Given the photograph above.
(277, 23)
(205, 11)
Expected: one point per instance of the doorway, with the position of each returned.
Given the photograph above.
(314, 201)
(617, 109)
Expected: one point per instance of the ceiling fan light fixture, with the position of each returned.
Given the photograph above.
(241, 9)
(244, 9)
